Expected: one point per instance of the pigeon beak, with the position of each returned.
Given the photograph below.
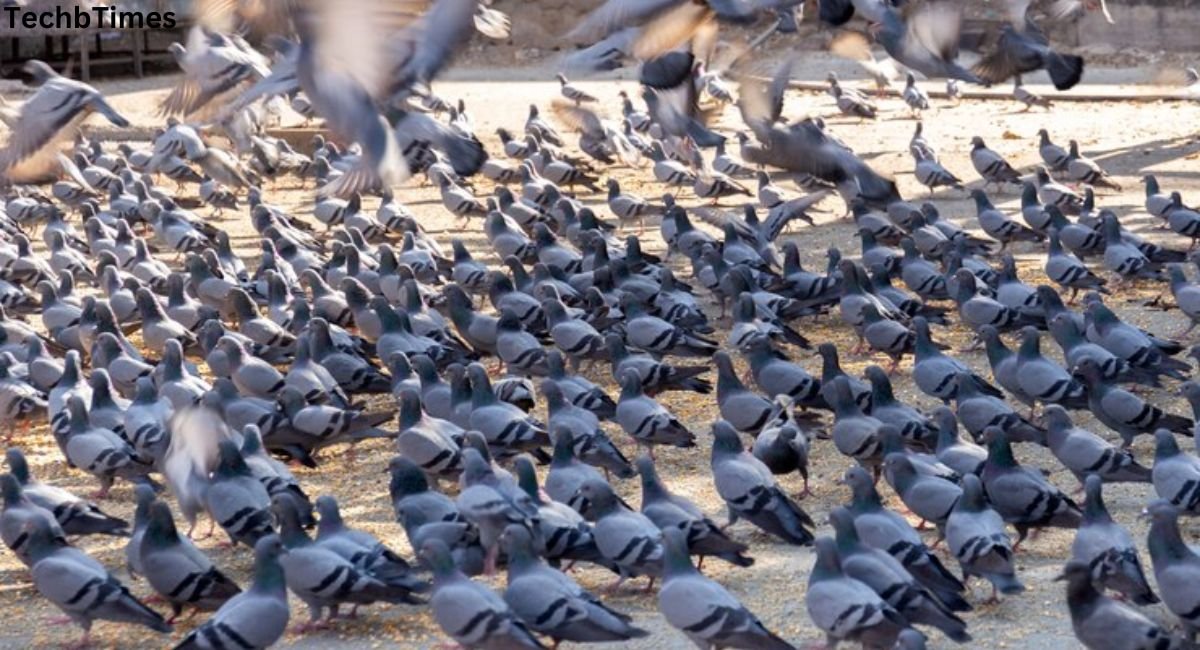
(1144, 514)
(1060, 577)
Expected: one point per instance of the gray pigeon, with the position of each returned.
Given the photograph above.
(1176, 565)
(488, 505)
(1102, 623)
(978, 411)
(935, 373)
(846, 609)
(469, 612)
(750, 492)
(567, 473)
(962, 456)
(1023, 496)
(1124, 412)
(76, 516)
(745, 410)
(671, 511)
(19, 513)
(592, 444)
(992, 167)
(702, 609)
(888, 578)
(322, 579)
(1044, 380)
(362, 549)
(1107, 550)
(645, 420)
(176, 569)
(79, 585)
(254, 619)
(930, 498)
(235, 499)
(1083, 452)
(559, 531)
(505, 426)
(551, 603)
(627, 539)
(855, 434)
(432, 443)
(976, 536)
(888, 531)
(1176, 474)
(784, 446)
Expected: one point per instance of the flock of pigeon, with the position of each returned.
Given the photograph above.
(160, 359)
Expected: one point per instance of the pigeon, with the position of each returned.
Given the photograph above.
(1175, 564)
(255, 618)
(75, 515)
(750, 492)
(977, 411)
(593, 445)
(627, 539)
(1043, 380)
(1102, 622)
(1068, 271)
(1021, 495)
(79, 585)
(19, 513)
(1107, 550)
(645, 420)
(1081, 169)
(930, 498)
(976, 536)
(745, 410)
(469, 612)
(936, 373)
(702, 609)
(886, 530)
(176, 569)
(1054, 156)
(553, 604)
(1176, 474)
(1083, 452)
(909, 422)
(992, 167)
(888, 578)
(567, 473)
(323, 579)
(1121, 257)
(1124, 412)
(236, 500)
(53, 113)
(846, 609)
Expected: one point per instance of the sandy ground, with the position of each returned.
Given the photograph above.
(1126, 139)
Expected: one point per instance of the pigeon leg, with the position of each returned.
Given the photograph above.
(612, 588)
(650, 585)
(84, 641)
(489, 561)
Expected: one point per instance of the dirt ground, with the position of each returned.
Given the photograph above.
(1127, 139)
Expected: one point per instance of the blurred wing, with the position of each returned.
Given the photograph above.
(618, 14)
(852, 45)
(671, 29)
(936, 26)
(226, 16)
(577, 118)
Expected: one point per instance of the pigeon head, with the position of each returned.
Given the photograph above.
(599, 497)
(17, 464)
(973, 498)
(435, 555)
(11, 489)
(406, 478)
(517, 544)
(1161, 511)
(725, 438)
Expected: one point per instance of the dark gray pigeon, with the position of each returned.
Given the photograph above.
(592, 444)
(471, 613)
(1023, 496)
(1176, 565)
(1102, 623)
(936, 374)
(783, 446)
(567, 473)
(1083, 452)
(551, 603)
(702, 609)
(1107, 550)
(255, 618)
(750, 492)
(671, 511)
(846, 609)
(775, 375)
(362, 549)
(911, 423)
(976, 536)
(559, 532)
(1044, 380)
